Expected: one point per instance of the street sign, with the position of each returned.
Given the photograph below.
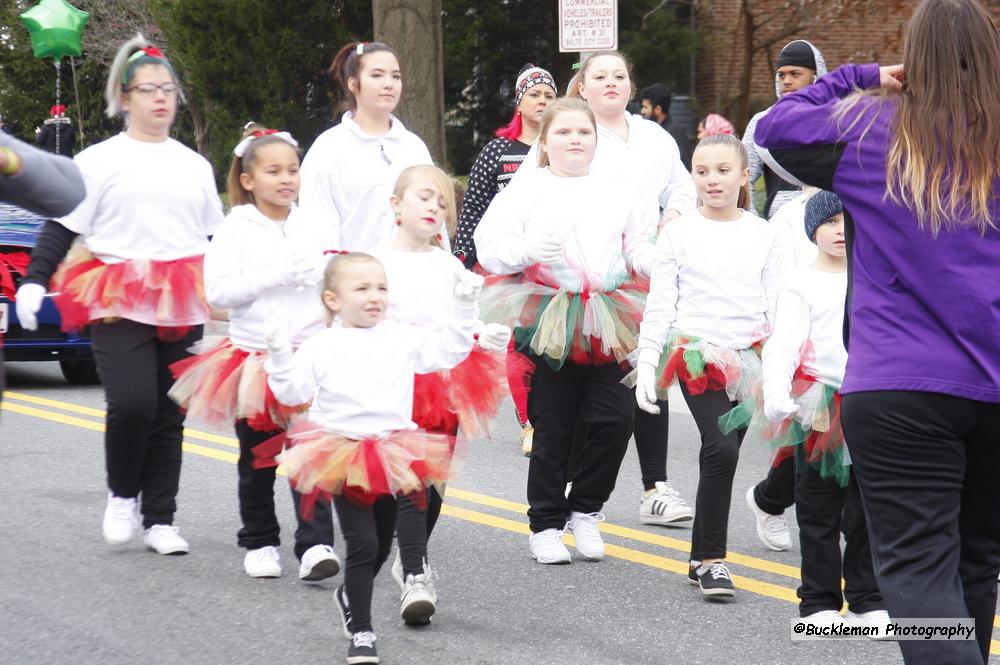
(588, 25)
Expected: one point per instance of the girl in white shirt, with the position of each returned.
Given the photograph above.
(359, 442)
(349, 172)
(135, 278)
(714, 284)
(567, 242)
(804, 362)
(263, 265)
(421, 275)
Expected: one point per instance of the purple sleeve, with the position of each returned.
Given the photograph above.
(805, 117)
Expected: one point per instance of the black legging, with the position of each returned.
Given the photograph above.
(144, 427)
(367, 531)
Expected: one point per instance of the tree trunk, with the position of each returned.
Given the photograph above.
(413, 29)
(743, 109)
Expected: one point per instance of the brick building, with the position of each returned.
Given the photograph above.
(843, 30)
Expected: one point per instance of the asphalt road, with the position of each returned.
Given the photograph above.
(68, 597)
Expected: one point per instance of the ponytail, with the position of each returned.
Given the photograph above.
(245, 156)
(124, 66)
(347, 65)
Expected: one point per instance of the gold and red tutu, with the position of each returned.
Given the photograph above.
(321, 464)
(226, 384)
(167, 294)
(465, 397)
(587, 328)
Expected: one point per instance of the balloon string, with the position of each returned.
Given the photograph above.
(58, 95)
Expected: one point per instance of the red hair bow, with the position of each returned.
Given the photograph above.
(154, 52)
(264, 132)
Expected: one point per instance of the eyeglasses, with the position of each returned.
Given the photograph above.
(149, 89)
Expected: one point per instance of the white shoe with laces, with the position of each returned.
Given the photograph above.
(419, 598)
(263, 562)
(772, 530)
(874, 619)
(318, 563)
(584, 528)
(664, 506)
(121, 519)
(165, 539)
(548, 547)
(824, 619)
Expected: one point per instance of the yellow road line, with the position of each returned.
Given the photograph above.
(635, 556)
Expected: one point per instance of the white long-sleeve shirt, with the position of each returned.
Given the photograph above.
(716, 280)
(145, 200)
(247, 243)
(421, 285)
(800, 252)
(348, 176)
(649, 158)
(810, 309)
(604, 231)
(360, 380)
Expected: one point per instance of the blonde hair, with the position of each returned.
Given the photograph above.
(581, 76)
(442, 181)
(561, 105)
(945, 140)
(122, 71)
(730, 141)
(237, 194)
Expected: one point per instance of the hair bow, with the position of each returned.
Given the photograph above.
(242, 146)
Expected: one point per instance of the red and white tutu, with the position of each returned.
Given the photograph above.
(321, 464)
(588, 328)
(226, 384)
(12, 263)
(167, 294)
(465, 397)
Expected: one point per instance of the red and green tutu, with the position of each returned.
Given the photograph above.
(167, 294)
(321, 464)
(587, 328)
(465, 397)
(226, 384)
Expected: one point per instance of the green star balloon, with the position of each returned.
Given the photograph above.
(56, 27)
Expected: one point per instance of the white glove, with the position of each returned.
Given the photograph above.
(467, 287)
(28, 302)
(779, 406)
(543, 247)
(494, 337)
(279, 348)
(645, 388)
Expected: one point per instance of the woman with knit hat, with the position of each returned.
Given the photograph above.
(534, 90)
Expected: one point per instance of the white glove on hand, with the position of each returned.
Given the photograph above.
(779, 406)
(543, 247)
(645, 388)
(494, 337)
(279, 347)
(28, 302)
(468, 285)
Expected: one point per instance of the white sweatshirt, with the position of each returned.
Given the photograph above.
(800, 252)
(154, 201)
(348, 176)
(604, 231)
(248, 243)
(810, 309)
(650, 158)
(421, 285)
(360, 380)
(716, 280)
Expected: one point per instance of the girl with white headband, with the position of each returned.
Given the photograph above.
(263, 265)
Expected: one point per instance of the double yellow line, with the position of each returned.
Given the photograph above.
(28, 405)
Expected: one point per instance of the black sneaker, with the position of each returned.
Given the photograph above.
(715, 581)
(345, 612)
(362, 649)
(693, 575)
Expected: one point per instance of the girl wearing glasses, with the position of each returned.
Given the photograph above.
(135, 278)
(350, 170)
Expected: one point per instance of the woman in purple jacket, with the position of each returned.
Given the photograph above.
(913, 155)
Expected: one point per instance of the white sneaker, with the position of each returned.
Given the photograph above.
(417, 602)
(121, 520)
(663, 505)
(824, 618)
(874, 619)
(318, 563)
(583, 526)
(263, 562)
(165, 539)
(548, 547)
(772, 530)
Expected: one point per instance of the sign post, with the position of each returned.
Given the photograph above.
(588, 25)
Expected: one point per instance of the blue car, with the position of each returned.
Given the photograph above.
(19, 230)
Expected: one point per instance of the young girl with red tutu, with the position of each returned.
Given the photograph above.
(567, 242)
(421, 274)
(712, 295)
(358, 443)
(135, 278)
(264, 265)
